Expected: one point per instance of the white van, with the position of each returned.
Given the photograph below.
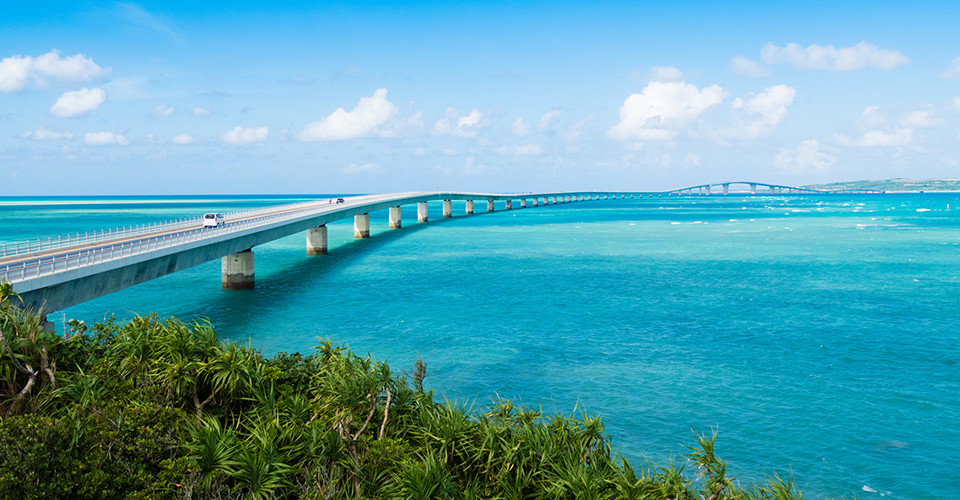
(213, 220)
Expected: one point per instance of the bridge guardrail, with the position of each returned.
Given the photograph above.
(71, 260)
(69, 240)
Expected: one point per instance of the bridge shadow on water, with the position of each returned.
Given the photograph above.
(294, 279)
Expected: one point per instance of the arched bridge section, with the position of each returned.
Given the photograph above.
(58, 273)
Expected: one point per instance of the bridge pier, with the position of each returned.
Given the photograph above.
(753, 189)
(490, 206)
(395, 222)
(535, 201)
(726, 189)
(604, 196)
(509, 204)
(361, 226)
(554, 200)
(422, 211)
(523, 203)
(236, 271)
(469, 207)
(317, 240)
(447, 208)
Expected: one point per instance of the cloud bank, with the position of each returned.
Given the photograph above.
(21, 72)
(364, 121)
(78, 103)
(662, 109)
(240, 136)
(830, 58)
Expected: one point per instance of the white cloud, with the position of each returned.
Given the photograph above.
(183, 139)
(520, 129)
(78, 102)
(810, 156)
(104, 139)
(364, 121)
(449, 152)
(748, 67)
(830, 58)
(161, 111)
(200, 112)
(953, 71)
(467, 126)
(878, 138)
(42, 134)
(19, 72)
(354, 169)
(529, 149)
(920, 119)
(420, 152)
(765, 111)
(661, 109)
(241, 136)
(572, 135)
(664, 74)
(547, 118)
(692, 160)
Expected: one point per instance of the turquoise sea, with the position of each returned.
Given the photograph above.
(819, 334)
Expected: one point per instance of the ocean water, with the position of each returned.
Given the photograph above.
(819, 334)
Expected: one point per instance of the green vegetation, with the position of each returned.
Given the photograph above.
(163, 409)
(893, 185)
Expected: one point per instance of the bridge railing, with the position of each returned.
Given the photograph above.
(75, 239)
(41, 266)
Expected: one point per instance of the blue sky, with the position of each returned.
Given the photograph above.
(195, 97)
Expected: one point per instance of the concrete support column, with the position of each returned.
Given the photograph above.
(361, 226)
(317, 240)
(509, 204)
(469, 207)
(553, 200)
(422, 211)
(236, 271)
(447, 208)
(726, 189)
(536, 201)
(604, 196)
(753, 189)
(489, 205)
(708, 190)
(395, 222)
(523, 203)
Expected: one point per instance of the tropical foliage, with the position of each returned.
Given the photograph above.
(157, 408)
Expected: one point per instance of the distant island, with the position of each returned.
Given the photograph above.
(900, 184)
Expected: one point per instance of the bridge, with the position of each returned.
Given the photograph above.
(57, 273)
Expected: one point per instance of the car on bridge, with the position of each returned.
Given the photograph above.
(213, 220)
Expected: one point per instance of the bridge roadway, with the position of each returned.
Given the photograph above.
(56, 274)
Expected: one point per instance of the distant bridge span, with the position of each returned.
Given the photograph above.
(58, 273)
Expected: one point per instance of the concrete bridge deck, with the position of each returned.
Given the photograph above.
(60, 273)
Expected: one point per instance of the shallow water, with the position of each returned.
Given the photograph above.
(819, 334)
